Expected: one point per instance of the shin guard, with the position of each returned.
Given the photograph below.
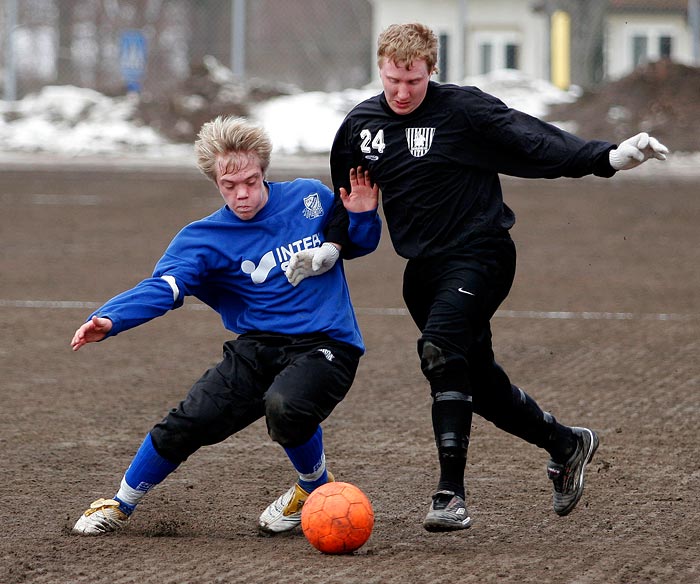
(452, 416)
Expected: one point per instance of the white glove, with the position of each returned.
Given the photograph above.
(635, 150)
(311, 262)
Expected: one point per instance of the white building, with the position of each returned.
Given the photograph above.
(640, 31)
(476, 36)
(479, 36)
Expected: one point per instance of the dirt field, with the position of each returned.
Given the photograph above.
(602, 328)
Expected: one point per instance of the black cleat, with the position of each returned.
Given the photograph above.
(447, 513)
(568, 478)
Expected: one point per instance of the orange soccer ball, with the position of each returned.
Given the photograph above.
(337, 518)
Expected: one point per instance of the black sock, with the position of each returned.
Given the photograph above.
(563, 443)
(452, 465)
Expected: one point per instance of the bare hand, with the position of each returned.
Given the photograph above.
(92, 331)
(363, 196)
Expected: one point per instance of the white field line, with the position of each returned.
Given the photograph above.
(534, 314)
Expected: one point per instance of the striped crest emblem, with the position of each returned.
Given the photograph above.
(312, 206)
(419, 140)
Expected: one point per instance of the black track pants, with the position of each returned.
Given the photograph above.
(452, 299)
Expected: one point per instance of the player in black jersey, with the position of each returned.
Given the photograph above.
(436, 151)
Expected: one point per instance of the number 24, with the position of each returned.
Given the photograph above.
(377, 143)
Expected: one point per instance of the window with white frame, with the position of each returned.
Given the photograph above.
(640, 50)
(651, 44)
(495, 50)
(512, 56)
(485, 58)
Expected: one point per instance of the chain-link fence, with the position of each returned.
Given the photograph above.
(156, 45)
(153, 45)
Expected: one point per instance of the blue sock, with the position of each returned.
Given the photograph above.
(310, 462)
(147, 469)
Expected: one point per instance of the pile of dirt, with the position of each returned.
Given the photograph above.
(210, 90)
(662, 98)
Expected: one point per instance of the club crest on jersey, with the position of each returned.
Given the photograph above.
(312, 206)
(419, 140)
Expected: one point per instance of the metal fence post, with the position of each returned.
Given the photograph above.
(10, 76)
(694, 22)
(238, 37)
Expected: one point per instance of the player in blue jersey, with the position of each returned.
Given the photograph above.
(436, 151)
(298, 343)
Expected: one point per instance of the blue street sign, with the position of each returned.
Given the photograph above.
(132, 58)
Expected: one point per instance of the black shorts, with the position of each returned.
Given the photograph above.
(295, 382)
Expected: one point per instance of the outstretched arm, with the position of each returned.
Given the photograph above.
(149, 299)
(92, 331)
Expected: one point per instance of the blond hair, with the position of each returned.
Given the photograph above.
(405, 43)
(230, 135)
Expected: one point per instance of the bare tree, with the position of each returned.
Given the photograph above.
(587, 36)
(65, 73)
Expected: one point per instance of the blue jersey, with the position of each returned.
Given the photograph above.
(238, 268)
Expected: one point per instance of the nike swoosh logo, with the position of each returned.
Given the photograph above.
(465, 291)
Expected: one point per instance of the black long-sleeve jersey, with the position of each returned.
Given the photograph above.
(438, 166)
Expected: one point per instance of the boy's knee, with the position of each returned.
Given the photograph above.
(285, 424)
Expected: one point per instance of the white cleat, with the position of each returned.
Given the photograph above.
(103, 516)
(284, 514)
